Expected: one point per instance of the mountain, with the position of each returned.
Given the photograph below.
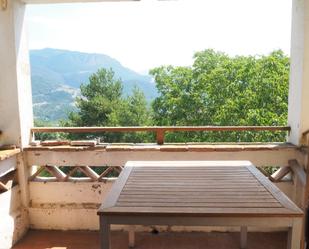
(57, 75)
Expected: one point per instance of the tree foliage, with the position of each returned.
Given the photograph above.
(46, 136)
(102, 104)
(216, 90)
(222, 90)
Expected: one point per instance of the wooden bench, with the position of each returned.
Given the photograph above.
(198, 193)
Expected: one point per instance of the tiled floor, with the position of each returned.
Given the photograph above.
(90, 240)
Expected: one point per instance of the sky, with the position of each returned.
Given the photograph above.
(146, 34)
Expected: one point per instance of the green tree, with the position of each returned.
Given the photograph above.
(46, 136)
(102, 104)
(132, 111)
(223, 90)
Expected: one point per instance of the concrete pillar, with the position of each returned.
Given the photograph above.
(298, 117)
(16, 117)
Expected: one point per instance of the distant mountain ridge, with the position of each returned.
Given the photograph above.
(57, 75)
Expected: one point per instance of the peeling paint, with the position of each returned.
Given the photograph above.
(96, 186)
(66, 205)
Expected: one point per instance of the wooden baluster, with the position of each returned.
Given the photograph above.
(280, 173)
(160, 136)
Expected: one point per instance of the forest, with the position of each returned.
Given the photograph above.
(217, 89)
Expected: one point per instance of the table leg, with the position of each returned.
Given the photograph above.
(294, 234)
(104, 233)
(131, 236)
(243, 237)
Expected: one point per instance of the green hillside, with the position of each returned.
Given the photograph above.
(57, 74)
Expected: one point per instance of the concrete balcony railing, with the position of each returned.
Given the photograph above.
(62, 201)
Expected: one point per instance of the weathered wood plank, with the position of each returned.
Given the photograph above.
(144, 191)
(55, 142)
(172, 195)
(158, 128)
(282, 198)
(193, 205)
(90, 143)
(117, 188)
(195, 200)
(224, 190)
(200, 212)
(5, 154)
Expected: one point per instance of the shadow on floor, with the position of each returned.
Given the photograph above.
(37, 239)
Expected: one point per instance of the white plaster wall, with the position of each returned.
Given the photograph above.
(9, 122)
(15, 86)
(7, 165)
(298, 117)
(73, 206)
(66, 205)
(14, 220)
(68, 192)
(16, 115)
(23, 73)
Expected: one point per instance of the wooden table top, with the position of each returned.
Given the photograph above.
(196, 188)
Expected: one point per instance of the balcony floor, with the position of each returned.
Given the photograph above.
(90, 240)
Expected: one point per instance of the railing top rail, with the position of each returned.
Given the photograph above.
(157, 129)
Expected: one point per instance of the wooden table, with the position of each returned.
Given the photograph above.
(197, 193)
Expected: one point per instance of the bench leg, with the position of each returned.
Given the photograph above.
(294, 234)
(243, 237)
(104, 233)
(131, 236)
